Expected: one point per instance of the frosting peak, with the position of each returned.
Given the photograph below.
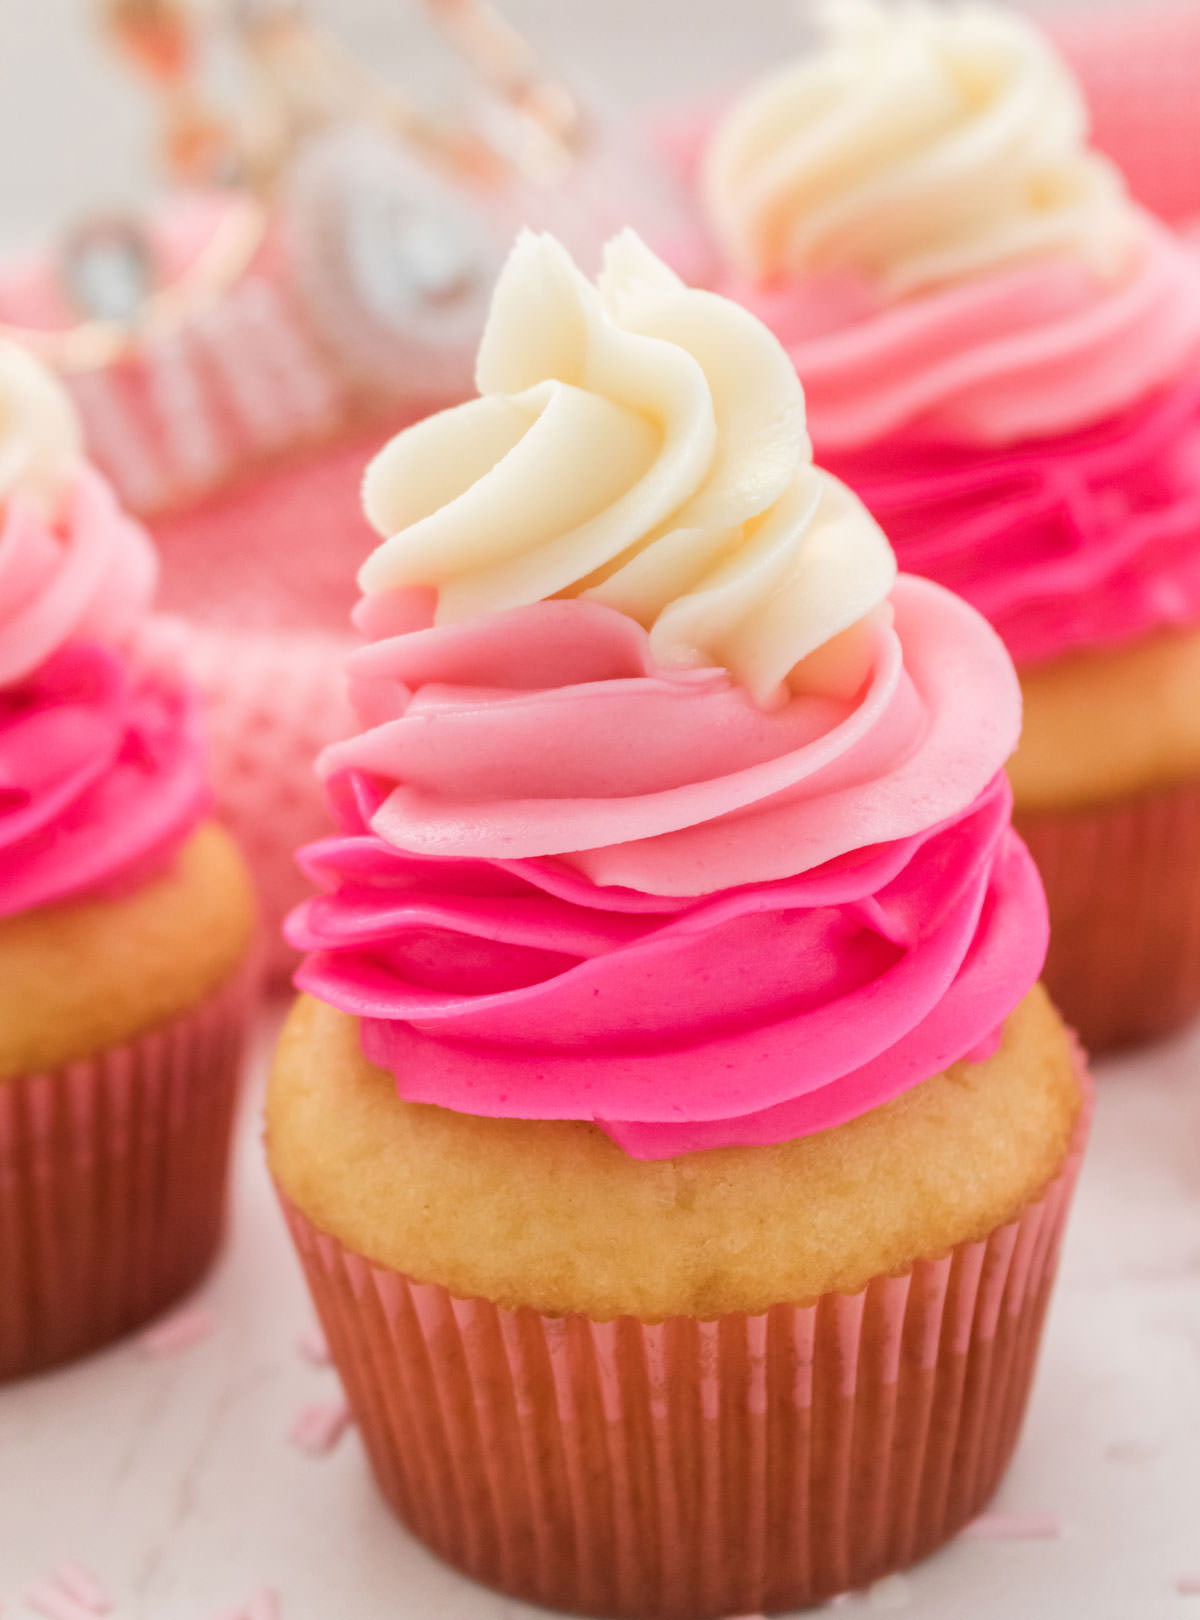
(643, 445)
(40, 439)
(923, 142)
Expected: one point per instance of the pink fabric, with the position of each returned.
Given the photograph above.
(89, 576)
(100, 777)
(575, 885)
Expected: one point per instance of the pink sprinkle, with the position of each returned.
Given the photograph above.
(55, 1604)
(312, 1347)
(1189, 1585)
(82, 1585)
(1015, 1527)
(319, 1427)
(179, 1332)
(263, 1605)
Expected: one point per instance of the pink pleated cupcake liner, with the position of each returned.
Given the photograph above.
(113, 1173)
(1123, 883)
(689, 1468)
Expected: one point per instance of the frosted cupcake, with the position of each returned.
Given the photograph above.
(1001, 355)
(674, 1135)
(125, 918)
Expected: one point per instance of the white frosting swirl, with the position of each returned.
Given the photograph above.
(922, 143)
(642, 444)
(40, 440)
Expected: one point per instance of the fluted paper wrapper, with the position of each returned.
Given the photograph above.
(690, 1468)
(113, 1173)
(1123, 883)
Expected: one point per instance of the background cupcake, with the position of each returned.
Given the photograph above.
(125, 918)
(1001, 355)
(673, 1134)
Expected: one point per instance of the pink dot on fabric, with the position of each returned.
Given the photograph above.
(1015, 1527)
(79, 1583)
(313, 1348)
(1189, 1585)
(179, 1332)
(262, 1605)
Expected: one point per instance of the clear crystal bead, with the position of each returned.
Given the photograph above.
(107, 268)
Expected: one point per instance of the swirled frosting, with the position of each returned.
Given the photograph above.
(1026, 353)
(642, 445)
(923, 143)
(1084, 540)
(575, 884)
(723, 884)
(88, 574)
(100, 766)
(101, 775)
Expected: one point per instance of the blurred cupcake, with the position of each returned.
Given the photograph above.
(125, 918)
(674, 1136)
(1001, 356)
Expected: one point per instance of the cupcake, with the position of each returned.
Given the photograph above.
(673, 1132)
(1001, 356)
(125, 918)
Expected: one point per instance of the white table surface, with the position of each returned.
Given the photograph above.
(175, 1480)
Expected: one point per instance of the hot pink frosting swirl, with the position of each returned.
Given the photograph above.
(577, 885)
(100, 768)
(100, 777)
(1085, 540)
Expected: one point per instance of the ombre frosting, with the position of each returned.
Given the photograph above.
(100, 767)
(1011, 391)
(592, 871)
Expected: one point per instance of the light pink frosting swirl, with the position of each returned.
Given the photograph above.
(1031, 352)
(101, 767)
(85, 574)
(577, 885)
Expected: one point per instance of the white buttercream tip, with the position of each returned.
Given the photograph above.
(641, 443)
(41, 444)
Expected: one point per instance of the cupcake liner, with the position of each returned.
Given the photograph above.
(112, 1181)
(690, 1468)
(1123, 884)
